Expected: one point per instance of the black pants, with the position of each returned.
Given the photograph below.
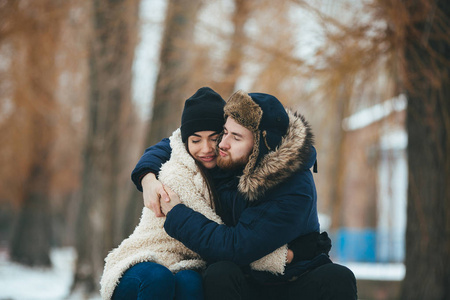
(225, 280)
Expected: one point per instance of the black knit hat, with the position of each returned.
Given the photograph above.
(203, 111)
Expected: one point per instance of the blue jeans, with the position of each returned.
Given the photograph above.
(150, 280)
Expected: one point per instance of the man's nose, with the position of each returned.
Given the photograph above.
(224, 143)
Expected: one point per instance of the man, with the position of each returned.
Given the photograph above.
(268, 199)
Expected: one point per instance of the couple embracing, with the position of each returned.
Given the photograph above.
(231, 210)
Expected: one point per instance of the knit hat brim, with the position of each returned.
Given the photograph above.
(196, 125)
(203, 111)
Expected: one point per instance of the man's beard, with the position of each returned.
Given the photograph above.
(227, 163)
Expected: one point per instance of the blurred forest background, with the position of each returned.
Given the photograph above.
(82, 96)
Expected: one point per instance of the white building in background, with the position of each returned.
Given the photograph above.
(392, 196)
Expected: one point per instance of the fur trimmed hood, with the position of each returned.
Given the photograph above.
(292, 154)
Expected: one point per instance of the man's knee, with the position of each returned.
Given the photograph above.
(338, 280)
(224, 280)
(338, 273)
(222, 270)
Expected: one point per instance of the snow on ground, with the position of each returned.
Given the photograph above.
(24, 283)
(18, 282)
(377, 271)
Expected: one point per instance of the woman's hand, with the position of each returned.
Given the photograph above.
(154, 193)
(167, 206)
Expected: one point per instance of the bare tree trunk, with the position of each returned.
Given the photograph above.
(175, 67)
(236, 52)
(427, 70)
(35, 28)
(336, 161)
(110, 63)
(31, 239)
(176, 63)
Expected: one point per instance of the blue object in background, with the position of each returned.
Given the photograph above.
(356, 245)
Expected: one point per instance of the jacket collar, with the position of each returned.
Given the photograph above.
(293, 154)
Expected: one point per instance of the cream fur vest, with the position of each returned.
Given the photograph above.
(149, 241)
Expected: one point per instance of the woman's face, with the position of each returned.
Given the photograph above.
(202, 147)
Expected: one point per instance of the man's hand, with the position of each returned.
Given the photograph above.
(174, 200)
(308, 246)
(289, 256)
(154, 194)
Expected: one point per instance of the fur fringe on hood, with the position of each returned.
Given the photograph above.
(291, 155)
(244, 110)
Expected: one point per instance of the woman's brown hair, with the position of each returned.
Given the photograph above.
(213, 196)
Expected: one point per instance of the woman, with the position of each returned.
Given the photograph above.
(151, 265)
